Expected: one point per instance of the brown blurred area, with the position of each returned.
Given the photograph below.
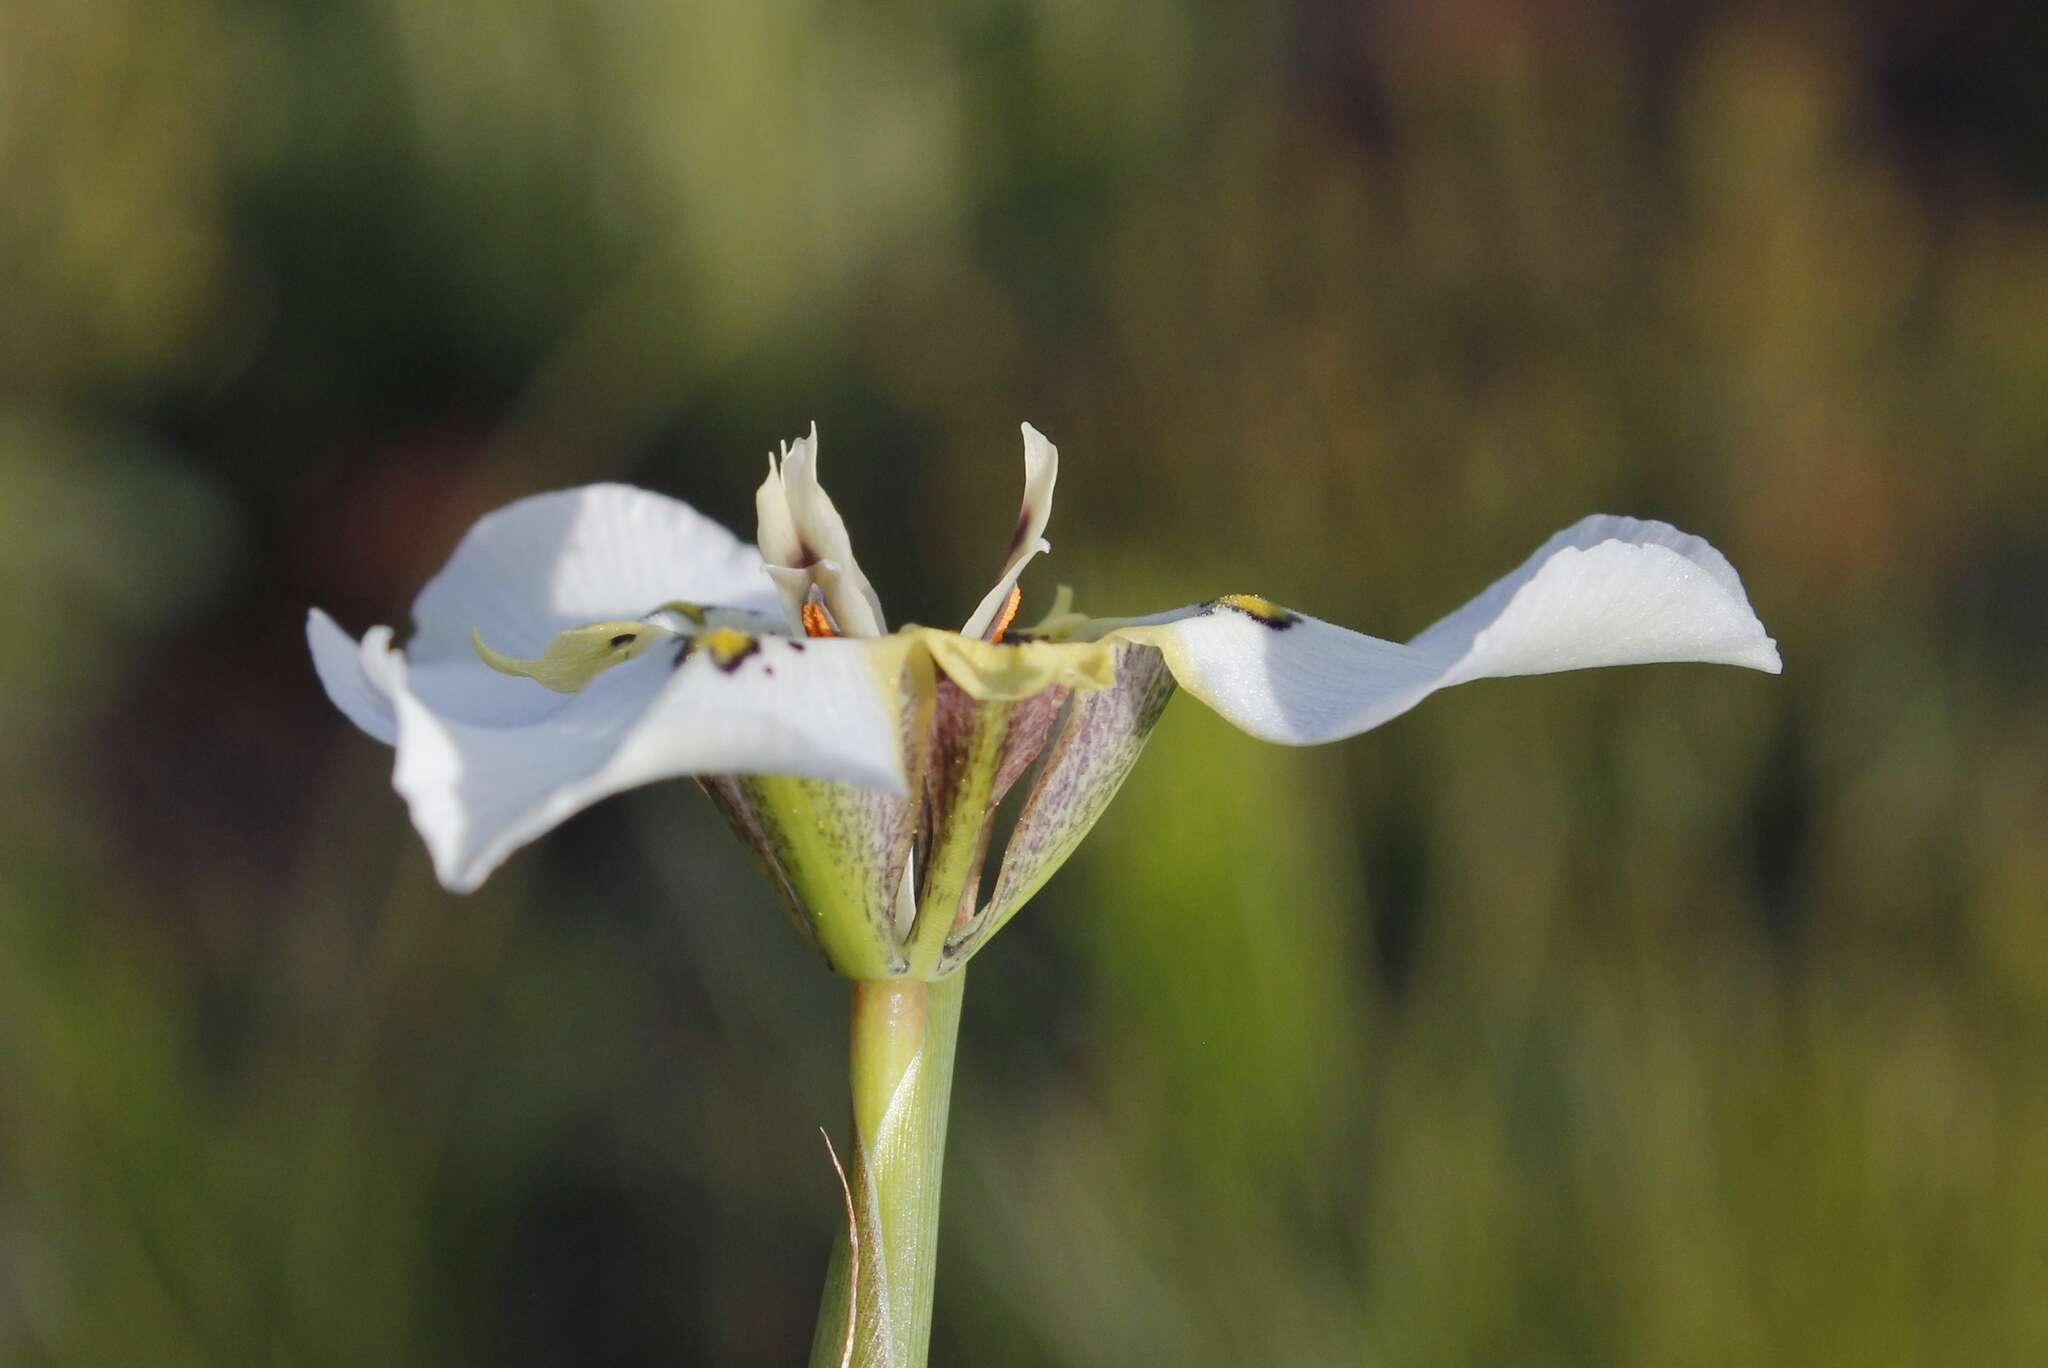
(1661, 1016)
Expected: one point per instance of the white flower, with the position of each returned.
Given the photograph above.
(587, 641)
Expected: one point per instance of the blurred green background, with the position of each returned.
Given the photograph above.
(1668, 1016)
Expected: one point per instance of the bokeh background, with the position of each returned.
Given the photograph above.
(1666, 1016)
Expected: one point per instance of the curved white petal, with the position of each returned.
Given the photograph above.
(781, 548)
(775, 531)
(827, 709)
(1041, 473)
(338, 660)
(1605, 591)
(823, 546)
(547, 563)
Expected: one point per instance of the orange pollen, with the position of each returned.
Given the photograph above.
(1007, 616)
(818, 622)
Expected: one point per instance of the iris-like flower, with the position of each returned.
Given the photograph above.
(584, 642)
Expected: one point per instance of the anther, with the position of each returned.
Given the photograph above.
(1007, 616)
(818, 622)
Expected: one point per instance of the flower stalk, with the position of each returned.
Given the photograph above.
(903, 1035)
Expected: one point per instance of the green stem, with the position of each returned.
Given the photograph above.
(903, 1036)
